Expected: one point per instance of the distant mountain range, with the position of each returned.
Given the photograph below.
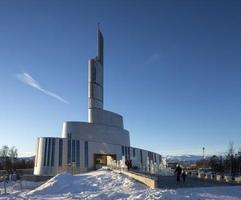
(27, 158)
(184, 158)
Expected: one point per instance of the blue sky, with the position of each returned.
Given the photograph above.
(172, 69)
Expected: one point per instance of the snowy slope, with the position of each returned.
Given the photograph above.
(101, 184)
(104, 184)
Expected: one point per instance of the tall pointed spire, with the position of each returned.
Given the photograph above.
(100, 45)
(95, 80)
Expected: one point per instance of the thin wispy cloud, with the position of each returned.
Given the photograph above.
(153, 59)
(29, 80)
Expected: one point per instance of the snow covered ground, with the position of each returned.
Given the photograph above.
(104, 184)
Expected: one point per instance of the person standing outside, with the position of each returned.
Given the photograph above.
(184, 175)
(178, 171)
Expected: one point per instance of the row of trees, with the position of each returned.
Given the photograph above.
(9, 159)
(8, 156)
(230, 163)
(12, 152)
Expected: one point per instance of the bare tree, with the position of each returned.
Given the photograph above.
(8, 156)
(13, 153)
(230, 157)
(4, 151)
(4, 154)
(231, 150)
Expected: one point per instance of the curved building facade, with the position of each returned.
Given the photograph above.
(84, 146)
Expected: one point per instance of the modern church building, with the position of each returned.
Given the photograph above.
(85, 146)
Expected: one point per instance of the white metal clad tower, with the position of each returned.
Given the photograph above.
(95, 79)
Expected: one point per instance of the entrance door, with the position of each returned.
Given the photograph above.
(103, 159)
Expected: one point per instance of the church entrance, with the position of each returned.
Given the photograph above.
(103, 160)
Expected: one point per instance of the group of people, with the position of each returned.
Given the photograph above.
(8, 176)
(12, 175)
(128, 164)
(180, 173)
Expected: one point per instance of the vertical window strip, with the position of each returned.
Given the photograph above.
(126, 153)
(78, 153)
(134, 152)
(73, 150)
(123, 150)
(49, 145)
(129, 153)
(53, 152)
(141, 156)
(45, 150)
(69, 149)
(94, 74)
(60, 151)
(86, 154)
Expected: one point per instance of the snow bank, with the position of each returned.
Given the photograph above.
(61, 183)
(100, 184)
(105, 184)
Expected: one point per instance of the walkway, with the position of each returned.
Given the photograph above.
(169, 182)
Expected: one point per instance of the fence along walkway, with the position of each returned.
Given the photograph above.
(169, 182)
